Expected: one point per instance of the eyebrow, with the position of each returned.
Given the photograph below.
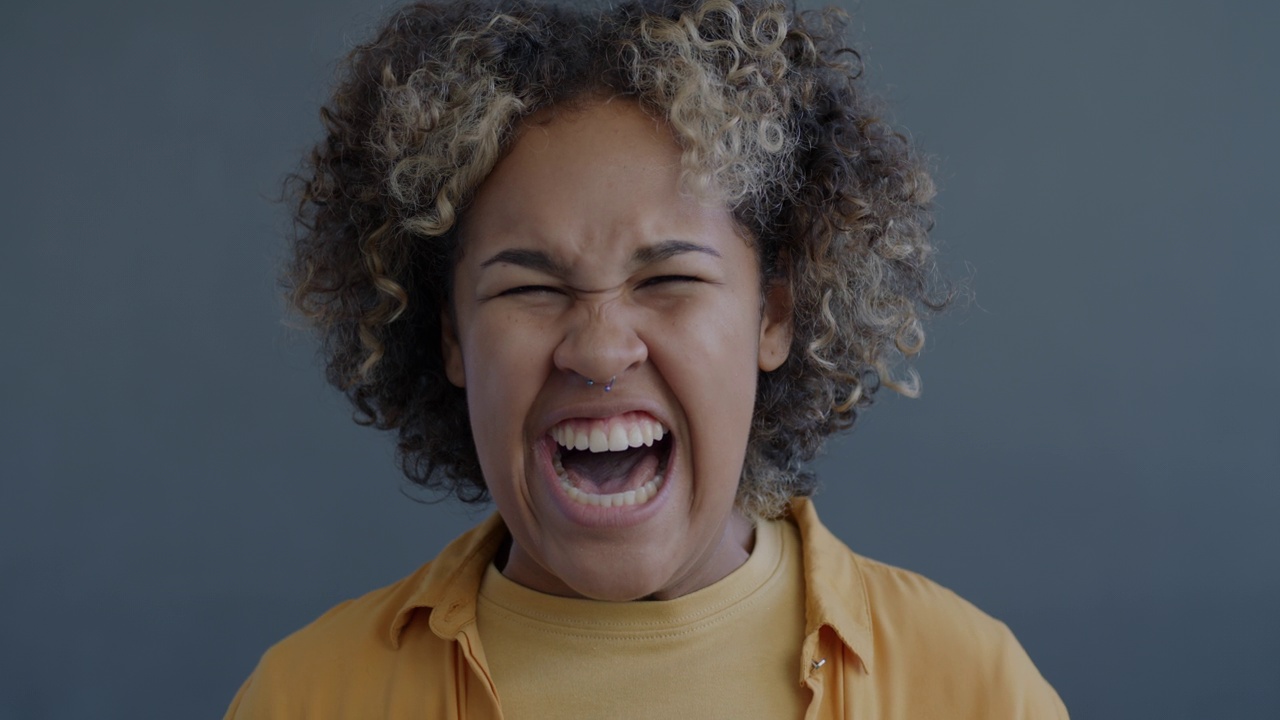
(669, 249)
(532, 259)
(543, 262)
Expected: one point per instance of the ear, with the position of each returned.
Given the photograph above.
(451, 350)
(775, 326)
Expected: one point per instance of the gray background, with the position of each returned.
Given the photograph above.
(1095, 460)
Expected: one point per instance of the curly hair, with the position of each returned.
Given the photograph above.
(768, 108)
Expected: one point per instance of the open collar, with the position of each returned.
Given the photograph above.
(447, 587)
(835, 593)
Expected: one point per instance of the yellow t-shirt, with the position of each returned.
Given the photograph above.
(726, 651)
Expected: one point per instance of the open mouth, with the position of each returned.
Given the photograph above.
(611, 462)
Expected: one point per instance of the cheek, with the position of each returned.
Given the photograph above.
(719, 337)
(505, 368)
(710, 360)
(501, 344)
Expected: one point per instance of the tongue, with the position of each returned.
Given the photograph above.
(610, 472)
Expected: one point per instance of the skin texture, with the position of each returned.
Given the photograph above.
(580, 198)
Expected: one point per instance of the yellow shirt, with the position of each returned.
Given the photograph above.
(728, 650)
(879, 643)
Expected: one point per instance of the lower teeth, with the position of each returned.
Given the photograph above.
(630, 497)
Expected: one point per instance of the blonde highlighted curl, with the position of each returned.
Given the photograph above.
(767, 106)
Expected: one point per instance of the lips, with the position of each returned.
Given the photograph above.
(611, 462)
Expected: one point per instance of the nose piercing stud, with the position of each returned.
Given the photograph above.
(607, 386)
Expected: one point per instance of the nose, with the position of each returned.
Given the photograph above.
(600, 342)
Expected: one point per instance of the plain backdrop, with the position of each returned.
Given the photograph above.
(1095, 459)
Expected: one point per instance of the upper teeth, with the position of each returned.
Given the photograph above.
(608, 435)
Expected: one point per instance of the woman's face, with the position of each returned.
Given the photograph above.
(608, 331)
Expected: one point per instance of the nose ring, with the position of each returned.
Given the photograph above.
(607, 386)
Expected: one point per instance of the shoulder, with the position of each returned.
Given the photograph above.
(926, 632)
(361, 626)
(378, 651)
(918, 639)
(319, 666)
(907, 607)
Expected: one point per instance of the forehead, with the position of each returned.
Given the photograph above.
(600, 177)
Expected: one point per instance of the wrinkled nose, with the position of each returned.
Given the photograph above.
(600, 342)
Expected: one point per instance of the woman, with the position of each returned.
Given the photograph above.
(623, 273)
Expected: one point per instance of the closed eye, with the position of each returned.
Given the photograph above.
(666, 279)
(531, 290)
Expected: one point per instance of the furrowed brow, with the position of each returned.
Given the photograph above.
(532, 259)
(669, 249)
